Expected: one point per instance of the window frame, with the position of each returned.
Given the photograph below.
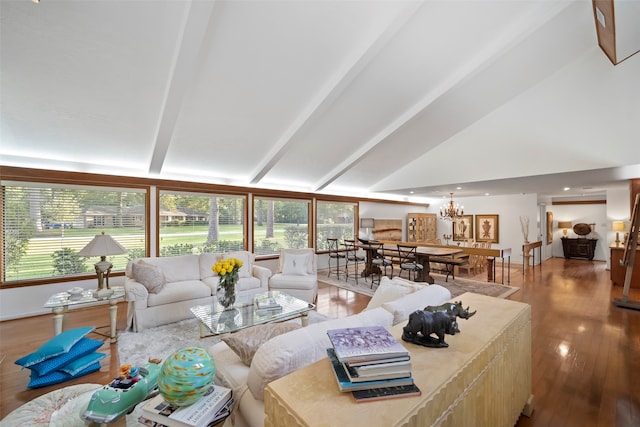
(356, 214)
(38, 180)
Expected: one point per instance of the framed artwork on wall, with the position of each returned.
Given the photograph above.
(463, 228)
(487, 228)
(549, 228)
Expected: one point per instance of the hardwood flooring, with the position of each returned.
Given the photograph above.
(585, 351)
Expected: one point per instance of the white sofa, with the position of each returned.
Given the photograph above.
(297, 274)
(392, 303)
(161, 290)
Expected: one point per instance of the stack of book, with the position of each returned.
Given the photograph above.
(369, 362)
(210, 410)
(267, 305)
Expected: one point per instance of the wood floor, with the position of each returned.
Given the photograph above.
(586, 352)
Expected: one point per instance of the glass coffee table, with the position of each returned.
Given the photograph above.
(61, 302)
(215, 320)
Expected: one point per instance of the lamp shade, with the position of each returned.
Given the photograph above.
(564, 224)
(366, 223)
(102, 245)
(617, 226)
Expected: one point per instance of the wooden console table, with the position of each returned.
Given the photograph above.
(579, 248)
(482, 378)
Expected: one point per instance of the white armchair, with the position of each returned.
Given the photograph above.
(297, 274)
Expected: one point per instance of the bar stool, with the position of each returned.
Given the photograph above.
(336, 255)
(379, 262)
(352, 258)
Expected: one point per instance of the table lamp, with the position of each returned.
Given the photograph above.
(102, 245)
(564, 225)
(617, 226)
(367, 223)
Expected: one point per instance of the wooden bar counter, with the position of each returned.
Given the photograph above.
(482, 379)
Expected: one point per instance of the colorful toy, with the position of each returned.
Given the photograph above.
(132, 386)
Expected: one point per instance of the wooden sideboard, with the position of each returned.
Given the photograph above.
(618, 272)
(422, 227)
(579, 248)
(482, 378)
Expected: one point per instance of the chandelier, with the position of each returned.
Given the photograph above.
(451, 211)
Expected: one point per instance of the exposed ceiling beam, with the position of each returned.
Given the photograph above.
(331, 91)
(185, 60)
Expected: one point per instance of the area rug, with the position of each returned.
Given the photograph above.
(456, 286)
(137, 347)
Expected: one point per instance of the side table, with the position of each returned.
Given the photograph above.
(62, 302)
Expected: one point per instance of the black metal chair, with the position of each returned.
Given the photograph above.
(336, 255)
(379, 262)
(352, 258)
(407, 255)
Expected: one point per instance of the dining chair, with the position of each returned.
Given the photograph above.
(334, 254)
(353, 258)
(380, 261)
(407, 255)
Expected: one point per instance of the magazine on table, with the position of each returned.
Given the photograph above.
(365, 343)
(267, 303)
(199, 414)
(355, 376)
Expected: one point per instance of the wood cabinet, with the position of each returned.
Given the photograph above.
(618, 272)
(422, 227)
(579, 248)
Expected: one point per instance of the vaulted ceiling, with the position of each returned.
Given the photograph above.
(389, 99)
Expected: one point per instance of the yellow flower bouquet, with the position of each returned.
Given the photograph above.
(227, 269)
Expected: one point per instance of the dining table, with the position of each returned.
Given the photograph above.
(423, 254)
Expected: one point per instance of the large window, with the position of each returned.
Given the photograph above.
(279, 224)
(46, 225)
(335, 220)
(196, 223)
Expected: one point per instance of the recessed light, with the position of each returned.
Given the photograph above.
(567, 188)
(458, 188)
(411, 192)
(486, 194)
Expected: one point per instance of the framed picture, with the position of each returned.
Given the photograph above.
(549, 228)
(463, 228)
(487, 228)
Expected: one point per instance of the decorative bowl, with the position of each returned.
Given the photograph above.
(185, 376)
(75, 293)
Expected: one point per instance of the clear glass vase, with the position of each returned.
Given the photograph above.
(226, 293)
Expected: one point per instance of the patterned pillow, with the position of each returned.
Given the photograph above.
(82, 348)
(149, 275)
(56, 377)
(55, 346)
(245, 343)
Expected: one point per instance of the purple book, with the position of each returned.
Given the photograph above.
(365, 343)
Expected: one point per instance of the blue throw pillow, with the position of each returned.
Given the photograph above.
(82, 363)
(55, 346)
(82, 348)
(56, 377)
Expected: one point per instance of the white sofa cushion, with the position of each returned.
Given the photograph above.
(402, 307)
(177, 268)
(392, 289)
(247, 261)
(284, 259)
(296, 349)
(179, 291)
(206, 262)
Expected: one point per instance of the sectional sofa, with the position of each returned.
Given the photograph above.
(162, 290)
(249, 360)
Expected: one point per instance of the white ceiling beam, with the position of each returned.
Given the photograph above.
(195, 24)
(515, 33)
(331, 91)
